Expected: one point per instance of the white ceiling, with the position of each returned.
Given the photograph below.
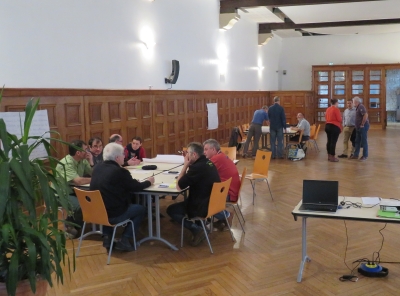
(356, 11)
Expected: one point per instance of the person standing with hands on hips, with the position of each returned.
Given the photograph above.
(333, 128)
(362, 127)
(349, 122)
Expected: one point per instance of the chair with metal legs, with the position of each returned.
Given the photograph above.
(235, 205)
(216, 204)
(94, 211)
(260, 171)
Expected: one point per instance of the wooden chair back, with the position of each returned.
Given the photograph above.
(92, 205)
(230, 152)
(313, 129)
(218, 196)
(242, 179)
(315, 136)
(261, 163)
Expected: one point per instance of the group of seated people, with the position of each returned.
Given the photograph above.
(104, 170)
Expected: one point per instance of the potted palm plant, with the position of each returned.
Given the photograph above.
(32, 247)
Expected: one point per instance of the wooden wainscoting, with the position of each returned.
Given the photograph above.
(165, 120)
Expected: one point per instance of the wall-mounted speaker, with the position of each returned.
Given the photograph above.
(174, 74)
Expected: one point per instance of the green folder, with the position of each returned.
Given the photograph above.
(383, 214)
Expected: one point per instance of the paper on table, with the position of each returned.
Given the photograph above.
(140, 171)
(165, 158)
(370, 200)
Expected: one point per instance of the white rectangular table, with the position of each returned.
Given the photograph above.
(265, 131)
(367, 213)
(160, 166)
(157, 191)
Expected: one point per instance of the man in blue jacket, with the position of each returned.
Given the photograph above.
(255, 130)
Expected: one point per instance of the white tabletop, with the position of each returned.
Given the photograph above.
(160, 166)
(265, 130)
(366, 213)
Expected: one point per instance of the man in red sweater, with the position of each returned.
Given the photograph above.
(226, 169)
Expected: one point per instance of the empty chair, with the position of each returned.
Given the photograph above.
(313, 138)
(94, 211)
(217, 204)
(230, 152)
(260, 170)
(235, 205)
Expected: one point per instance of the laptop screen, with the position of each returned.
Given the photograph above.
(320, 192)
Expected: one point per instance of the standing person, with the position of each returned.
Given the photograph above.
(333, 128)
(255, 130)
(199, 174)
(135, 149)
(277, 124)
(362, 127)
(226, 170)
(116, 186)
(349, 122)
(96, 148)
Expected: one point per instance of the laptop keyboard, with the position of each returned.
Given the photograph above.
(319, 207)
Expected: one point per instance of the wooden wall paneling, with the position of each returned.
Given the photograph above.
(96, 117)
(68, 119)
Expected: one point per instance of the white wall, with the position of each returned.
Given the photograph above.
(97, 44)
(299, 54)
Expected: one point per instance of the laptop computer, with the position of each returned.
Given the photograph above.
(320, 196)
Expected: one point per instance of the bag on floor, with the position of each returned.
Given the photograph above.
(295, 153)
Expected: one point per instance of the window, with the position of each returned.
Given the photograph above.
(339, 76)
(321, 116)
(339, 89)
(341, 103)
(375, 75)
(323, 103)
(357, 89)
(323, 76)
(357, 75)
(323, 89)
(374, 89)
(374, 103)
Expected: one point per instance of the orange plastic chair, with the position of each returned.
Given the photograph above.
(313, 139)
(94, 211)
(217, 204)
(230, 152)
(235, 203)
(260, 170)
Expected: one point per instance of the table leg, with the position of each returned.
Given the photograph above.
(304, 257)
(150, 219)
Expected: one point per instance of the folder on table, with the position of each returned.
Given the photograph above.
(383, 214)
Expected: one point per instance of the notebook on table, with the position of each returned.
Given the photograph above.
(320, 196)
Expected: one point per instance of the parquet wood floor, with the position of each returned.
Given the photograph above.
(264, 260)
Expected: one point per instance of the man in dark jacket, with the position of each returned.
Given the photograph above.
(117, 186)
(199, 174)
(277, 124)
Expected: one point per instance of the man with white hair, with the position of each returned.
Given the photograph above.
(362, 127)
(117, 186)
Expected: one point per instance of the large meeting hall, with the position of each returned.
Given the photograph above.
(158, 69)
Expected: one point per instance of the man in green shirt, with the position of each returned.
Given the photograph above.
(76, 167)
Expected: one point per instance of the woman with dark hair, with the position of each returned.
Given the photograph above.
(333, 128)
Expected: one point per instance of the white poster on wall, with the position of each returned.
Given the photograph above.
(212, 110)
(40, 125)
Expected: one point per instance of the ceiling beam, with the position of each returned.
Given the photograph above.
(269, 27)
(230, 6)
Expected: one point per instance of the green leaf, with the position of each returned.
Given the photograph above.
(4, 187)
(4, 139)
(12, 276)
(30, 110)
